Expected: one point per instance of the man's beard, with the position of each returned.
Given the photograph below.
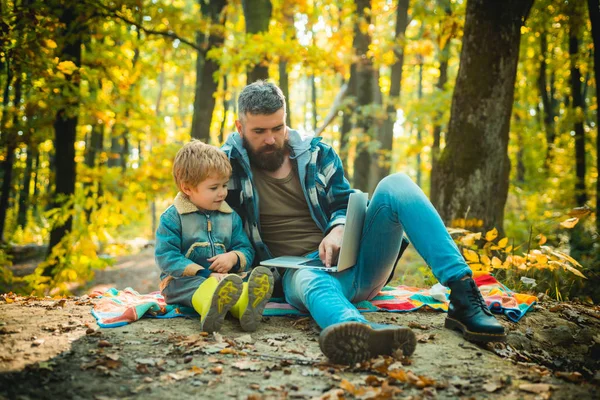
(268, 162)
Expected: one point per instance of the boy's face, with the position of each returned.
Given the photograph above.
(208, 194)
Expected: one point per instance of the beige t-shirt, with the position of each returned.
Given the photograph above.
(287, 227)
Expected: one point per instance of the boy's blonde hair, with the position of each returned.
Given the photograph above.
(196, 161)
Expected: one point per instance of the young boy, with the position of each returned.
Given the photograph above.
(200, 240)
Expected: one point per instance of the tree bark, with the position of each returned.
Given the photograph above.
(577, 105)
(381, 160)
(284, 85)
(206, 84)
(548, 100)
(474, 166)
(444, 56)
(65, 126)
(257, 14)
(26, 188)
(594, 11)
(368, 94)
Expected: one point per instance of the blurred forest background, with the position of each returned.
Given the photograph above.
(490, 106)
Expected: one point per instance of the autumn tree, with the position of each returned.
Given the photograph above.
(65, 124)
(206, 68)
(474, 166)
(258, 15)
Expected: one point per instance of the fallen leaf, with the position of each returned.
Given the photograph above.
(246, 365)
(104, 343)
(569, 223)
(416, 325)
(218, 370)
(492, 386)
(38, 342)
(535, 387)
(570, 376)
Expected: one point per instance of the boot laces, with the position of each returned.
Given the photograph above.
(476, 299)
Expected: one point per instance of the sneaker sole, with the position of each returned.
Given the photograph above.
(226, 294)
(260, 288)
(353, 342)
(473, 336)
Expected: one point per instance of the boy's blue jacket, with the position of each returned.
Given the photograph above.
(185, 239)
(321, 175)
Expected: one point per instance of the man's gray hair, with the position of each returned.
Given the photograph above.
(260, 98)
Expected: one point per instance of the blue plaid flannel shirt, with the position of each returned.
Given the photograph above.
(321, 175)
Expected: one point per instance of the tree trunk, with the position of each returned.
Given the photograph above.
(65, 127)
(473, 173)
(257, 14)
(366, 88)
(444, 56)
(206, 84)
(594, 10)
(284, 85)
(577, 102)
(26, 188)
(547, 95)
(381, 160)
(419, 135)
(226, 106)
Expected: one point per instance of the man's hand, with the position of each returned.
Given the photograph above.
(329, 249)
(223, 262)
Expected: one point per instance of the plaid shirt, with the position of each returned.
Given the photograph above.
(321, 175)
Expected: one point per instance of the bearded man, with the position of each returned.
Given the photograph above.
(292, 196)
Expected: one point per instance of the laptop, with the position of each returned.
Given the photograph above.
(355, 219)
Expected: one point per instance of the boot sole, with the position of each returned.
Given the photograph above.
(473, 336)
(354, 342)
(226, 294)
(260, 289)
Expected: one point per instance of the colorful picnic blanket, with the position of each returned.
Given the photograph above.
(119, 307)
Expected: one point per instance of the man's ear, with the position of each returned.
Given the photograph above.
(238, 126)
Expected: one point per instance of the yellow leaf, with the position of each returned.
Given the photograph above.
(485, 260)
(470, 255)
(67, 67)
(496, 262)
(543, 239)
(573, 270)
(51, 44)
(569, 223)
(502, 243)
(508, 249)
(579, 212)
(491, 235)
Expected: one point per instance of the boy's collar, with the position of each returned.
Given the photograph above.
(183, 205)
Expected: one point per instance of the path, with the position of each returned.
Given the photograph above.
(53, 348)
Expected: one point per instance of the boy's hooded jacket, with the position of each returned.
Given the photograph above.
(187, 236)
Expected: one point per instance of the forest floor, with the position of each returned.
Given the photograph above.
(52, 348)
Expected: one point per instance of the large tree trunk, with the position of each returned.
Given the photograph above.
(206, 84)
(381, 160)
(65, 126)
(594, 10)
(257, 14)
(474, 166)
(368, 94)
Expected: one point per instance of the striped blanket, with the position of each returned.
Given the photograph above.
(114, 307)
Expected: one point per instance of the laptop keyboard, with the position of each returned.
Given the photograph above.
(312, 263)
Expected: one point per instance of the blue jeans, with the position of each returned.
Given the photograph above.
(397, 206)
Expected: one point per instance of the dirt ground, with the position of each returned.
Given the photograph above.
(52, 348)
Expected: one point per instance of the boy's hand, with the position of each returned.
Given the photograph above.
(223, 262)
